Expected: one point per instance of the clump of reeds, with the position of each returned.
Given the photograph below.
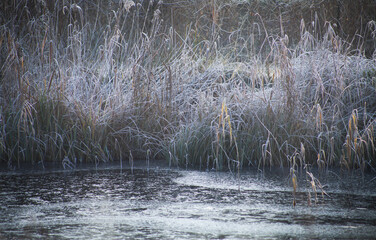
(128, 86)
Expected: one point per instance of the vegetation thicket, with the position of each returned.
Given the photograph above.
(206, 84)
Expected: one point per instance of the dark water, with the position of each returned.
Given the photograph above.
(170, 204)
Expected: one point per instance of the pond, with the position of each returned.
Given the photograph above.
(163, 203)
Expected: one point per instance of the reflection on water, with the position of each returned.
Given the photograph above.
(167, 204)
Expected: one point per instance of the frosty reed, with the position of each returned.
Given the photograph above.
(122, 80)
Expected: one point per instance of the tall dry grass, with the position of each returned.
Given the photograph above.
(114, 81)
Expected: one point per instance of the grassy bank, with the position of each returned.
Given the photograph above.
(92, 82)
